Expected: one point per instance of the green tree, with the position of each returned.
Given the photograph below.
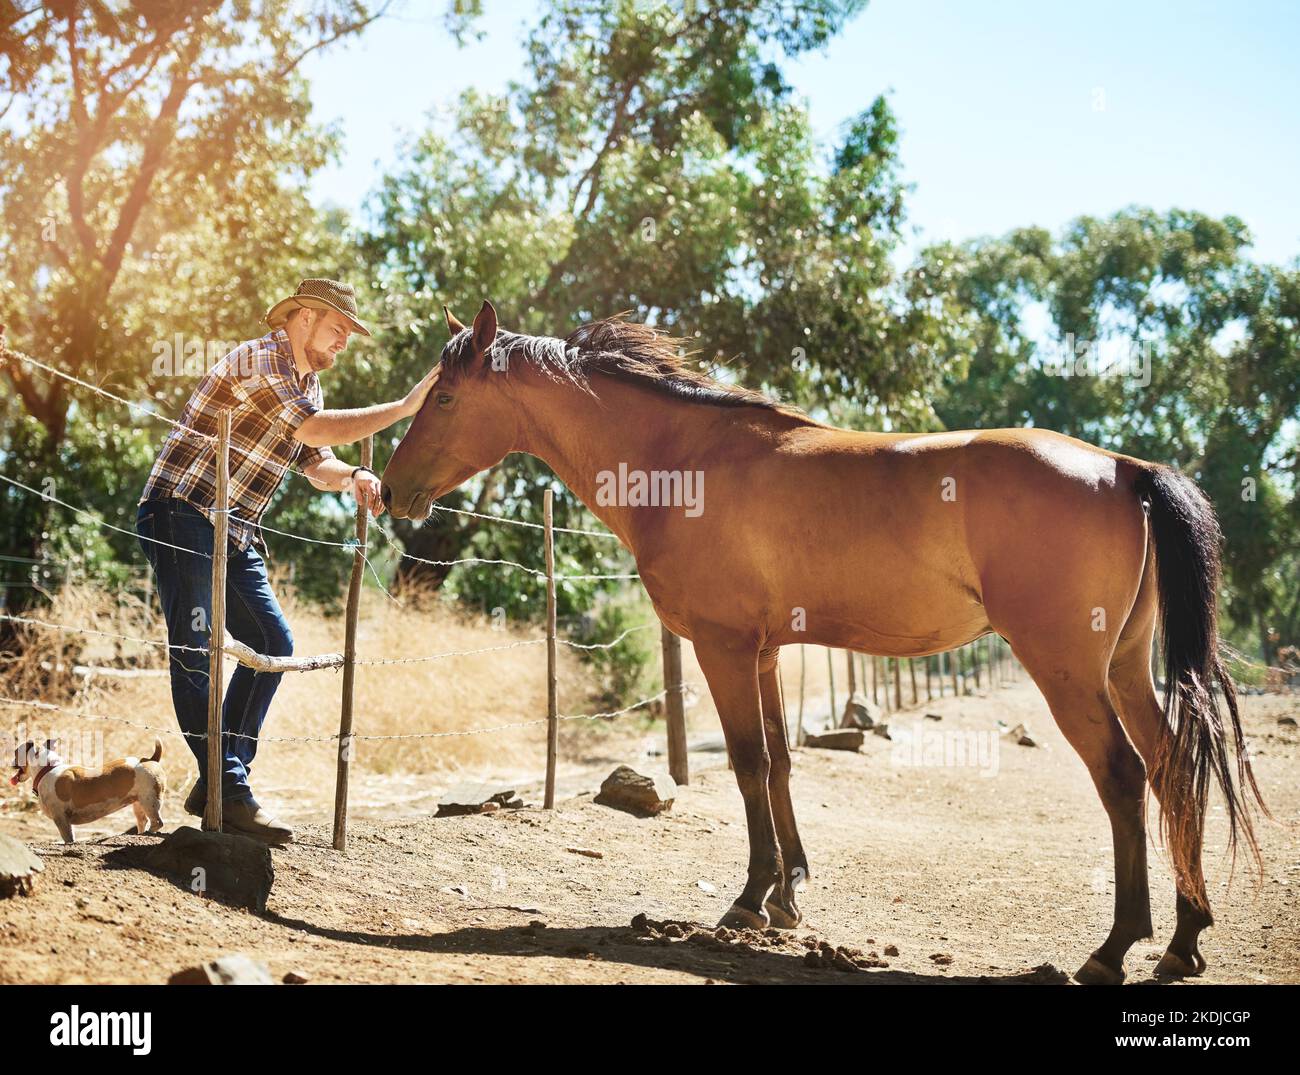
(652, 158)
(152, 168)
(1214, 378)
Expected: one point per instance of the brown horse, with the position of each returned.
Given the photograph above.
(754, 526)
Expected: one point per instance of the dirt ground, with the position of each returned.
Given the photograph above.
(997, 870)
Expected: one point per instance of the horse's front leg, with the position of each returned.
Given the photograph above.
(730, 664)
(781, 907)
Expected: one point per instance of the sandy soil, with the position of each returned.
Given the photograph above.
(998, 870)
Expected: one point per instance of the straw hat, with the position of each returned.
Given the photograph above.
(319, 294)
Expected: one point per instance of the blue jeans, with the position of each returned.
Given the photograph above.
(252, 615)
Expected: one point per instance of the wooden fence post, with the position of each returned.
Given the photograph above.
(552, 708)
(911, 671)
(898, 683)
(803, 674)
(830, 667)
(349, 662)
(954, 666)
(217, 623)
(675, 709)
(929, 690)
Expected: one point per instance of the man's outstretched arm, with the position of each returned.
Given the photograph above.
(326, 429)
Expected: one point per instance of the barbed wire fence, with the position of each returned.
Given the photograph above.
(966, 668)
(672, 694)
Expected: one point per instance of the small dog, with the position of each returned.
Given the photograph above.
(71, 795)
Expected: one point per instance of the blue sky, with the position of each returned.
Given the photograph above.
(1012, 113)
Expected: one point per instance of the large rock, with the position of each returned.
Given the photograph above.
(18, 868)
(836, 739)
(236, 969)
(235, 869)
(478, 799)
(636, 793)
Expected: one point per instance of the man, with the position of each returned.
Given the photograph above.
(272, 389)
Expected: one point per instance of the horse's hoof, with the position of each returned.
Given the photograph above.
(782, 917)
(1175, 966)
(742, 918)
(1095, 972)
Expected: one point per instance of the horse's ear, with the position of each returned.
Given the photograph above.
(453, 322)
(485, 328)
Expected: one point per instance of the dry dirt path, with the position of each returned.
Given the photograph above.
(995, 874)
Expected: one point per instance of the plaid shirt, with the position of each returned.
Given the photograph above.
(258, 383)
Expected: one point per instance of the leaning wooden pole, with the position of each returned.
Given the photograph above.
(675, 708)
(349, 663)
(552, 709)
(217, 623)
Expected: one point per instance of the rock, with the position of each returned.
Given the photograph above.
(934, 716)
(1286, 722)
(882, 730)
(294, 978)
(859, 712)
(837, 739)
(587, 852)
(891, 950)
(237, 969)
(477, 798)
(18, 868)
(235, 869)
(626, 789)
(1020, 734)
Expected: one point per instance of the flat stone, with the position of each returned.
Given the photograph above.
(235, 869)
(19, 866)
(477, 798)
(837, 739)
(235, 969)
(637, 793)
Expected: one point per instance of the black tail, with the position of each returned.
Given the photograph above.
(1193, 745)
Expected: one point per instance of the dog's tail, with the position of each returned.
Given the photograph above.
(157, 749)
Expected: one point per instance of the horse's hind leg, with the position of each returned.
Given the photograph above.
(1076, 693)
(730, 664)
(1134, 694)
(781, 907)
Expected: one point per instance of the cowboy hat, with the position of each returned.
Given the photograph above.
(319, 294)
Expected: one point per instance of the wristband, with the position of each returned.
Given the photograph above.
(353, 476)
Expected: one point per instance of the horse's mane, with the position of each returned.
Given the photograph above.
(624, 349)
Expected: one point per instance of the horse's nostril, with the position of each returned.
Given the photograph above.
(386, 494)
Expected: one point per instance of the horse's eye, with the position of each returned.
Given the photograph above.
(444, 399)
